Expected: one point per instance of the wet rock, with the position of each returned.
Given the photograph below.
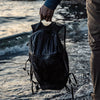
(73, 10)
(84, 90)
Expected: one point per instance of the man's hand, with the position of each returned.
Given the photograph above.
(46, 13)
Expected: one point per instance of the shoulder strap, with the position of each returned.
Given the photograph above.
(65, 36)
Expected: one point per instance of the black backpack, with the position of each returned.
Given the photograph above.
(48, 57)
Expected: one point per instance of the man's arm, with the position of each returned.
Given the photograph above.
(47, 10)
(52, 4)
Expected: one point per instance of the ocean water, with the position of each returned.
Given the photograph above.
(16, 18)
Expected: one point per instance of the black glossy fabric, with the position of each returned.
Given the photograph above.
(48, 56)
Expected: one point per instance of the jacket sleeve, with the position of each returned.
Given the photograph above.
(52, 4)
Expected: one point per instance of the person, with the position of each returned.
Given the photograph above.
(93, 13)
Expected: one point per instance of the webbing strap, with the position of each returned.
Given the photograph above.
(25, 68)
(73, 77)
(31, 77)
(64, 36)
(71, 83)
(72, 92)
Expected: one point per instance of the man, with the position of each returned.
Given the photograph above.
(93, 12)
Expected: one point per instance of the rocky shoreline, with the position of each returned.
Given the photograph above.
(73, 9)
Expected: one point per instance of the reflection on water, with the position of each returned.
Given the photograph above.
(17, 16)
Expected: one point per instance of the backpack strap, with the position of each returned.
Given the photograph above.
(31, 79)
(31, 76)
(74, 78)
(69, 79)
(72, 84)
(65, 37)
(25, 68)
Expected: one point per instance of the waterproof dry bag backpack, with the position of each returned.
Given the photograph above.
(48, 57)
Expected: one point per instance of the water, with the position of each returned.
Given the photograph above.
(16, 18)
